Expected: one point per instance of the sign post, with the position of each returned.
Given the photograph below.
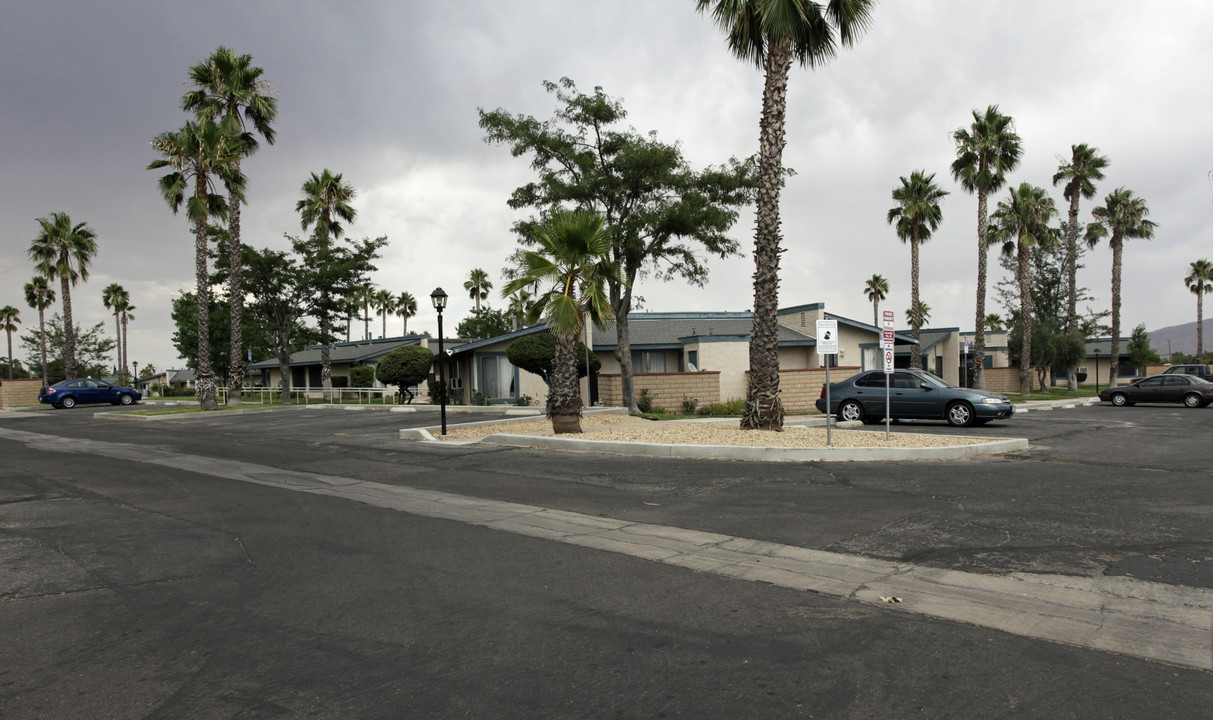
(886, 347)
(827, 345)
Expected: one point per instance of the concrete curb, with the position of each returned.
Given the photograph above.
(1047, 405)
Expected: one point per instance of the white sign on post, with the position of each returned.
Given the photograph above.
(827, 337)
(887, 318)
(888, 361)
(886, 339)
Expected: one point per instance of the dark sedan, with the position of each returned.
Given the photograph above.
(1187, 389)
(913, 395)
(70, 393)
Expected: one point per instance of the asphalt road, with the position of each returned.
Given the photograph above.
(130, 589)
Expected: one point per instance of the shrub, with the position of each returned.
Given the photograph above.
(524, 400)
(534, 354)
(405, 367)
(1082, 377)
(689, 404)
(644, 402)
(478, 399)
(361, 377)
(725, 409)
(340, 382)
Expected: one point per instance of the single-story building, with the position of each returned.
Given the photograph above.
(305, 365)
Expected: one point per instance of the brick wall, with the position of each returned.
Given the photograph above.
(667, 389)
(1004, 379)
(14, 393)
(801, 388)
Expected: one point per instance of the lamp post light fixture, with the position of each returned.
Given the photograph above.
(439, 299)
(135, 379)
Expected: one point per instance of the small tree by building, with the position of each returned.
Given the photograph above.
(405, 367)
(536, 353)
(1141, 353)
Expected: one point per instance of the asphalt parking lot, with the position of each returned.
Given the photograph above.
(151, 589)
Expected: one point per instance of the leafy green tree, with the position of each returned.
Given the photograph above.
(273, 280)
(14, 371)
(916, 216)
(362, 377)
(406, 307)
(985, 152)
(1080, 172)
(92, 349)
(40, 296)
(1141, 353)
(405, 367)
(772, 34)
(201, 154)
(1020, 223)
(536, 354)
(63, 251)
(484, 323)
(185, 336)
(1200, 281)
(661, 213)
(325, 205)
(877, 289)
(227, 87)
(478, 286)
(573, 264)
(1123, 215)
(10, 318)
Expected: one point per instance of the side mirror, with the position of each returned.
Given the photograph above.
(926, 386)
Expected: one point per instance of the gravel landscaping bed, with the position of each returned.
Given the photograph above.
(625, 428)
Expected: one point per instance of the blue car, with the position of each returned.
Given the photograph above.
(69, 393)
(913, 395)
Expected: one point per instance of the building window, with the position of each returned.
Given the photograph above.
(648, 362)
(692, 360)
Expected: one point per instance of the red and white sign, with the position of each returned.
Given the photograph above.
(888, 361)
(887, 317)
(886, 339)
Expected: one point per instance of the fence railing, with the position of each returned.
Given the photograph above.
(338, 396)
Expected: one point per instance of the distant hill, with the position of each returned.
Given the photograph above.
(1182, 338)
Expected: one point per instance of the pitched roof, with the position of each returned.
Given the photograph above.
(345, 353)
(658, 331)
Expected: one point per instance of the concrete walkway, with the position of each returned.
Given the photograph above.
(1155, 621)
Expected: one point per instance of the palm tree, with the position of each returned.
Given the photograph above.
(1123, 215)
(520, 309)
(406, 307)
(916, 216)
(326, 202)
(202, 154)
(478, 286)
(1021, 222)
(771, 34)
(40, 296)
(1079, 173)
(919, 313)
(994, 322)
(111, 296)
(573, 262)
(877, 289)
(363, 296)
(63, 251)
(10, 318)
(125, 312)
(985, 153)
(1200, 281)
(227, 87)
(385, 303)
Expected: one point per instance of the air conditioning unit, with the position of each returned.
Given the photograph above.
(456, 383)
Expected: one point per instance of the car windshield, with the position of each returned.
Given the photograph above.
(936, 380)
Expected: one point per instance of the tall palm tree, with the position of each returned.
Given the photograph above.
(994, 322)
(229, 88)
(202, 155)
(1200, 281)
(40, 296)
(1123, 215)
(363, 296)
(325, 204)
(406, 307)
(772, 34)
(385, 303)
(63, 251)
(877, 289)
(1079, 173)
(985, 152)
(919, 312)
(520, 307)
(916, 216)
(111, 296)
(10, 318)
(478, 286)
(1021, 222)
(573, 262)
(126, 313)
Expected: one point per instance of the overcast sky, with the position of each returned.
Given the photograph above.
(387, 94)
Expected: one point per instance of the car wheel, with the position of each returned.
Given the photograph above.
(1119, 399)
(1193, 400)
(960, 414)
(850, 411)
(126, 399)
(68, 402)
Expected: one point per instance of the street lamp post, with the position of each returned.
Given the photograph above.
(135, 379)
(1096, 371)
(439, 299)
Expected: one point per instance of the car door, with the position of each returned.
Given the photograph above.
(869, 391)
(104, 392)
(1173, 388)
(910, 399)
(1148, 390)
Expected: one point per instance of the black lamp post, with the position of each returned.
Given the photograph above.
(1096, 371)
(135, 380)
(439, 299)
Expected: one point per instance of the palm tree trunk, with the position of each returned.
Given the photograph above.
(10, 353)
(764, 406)
(366, 321)
(979, 335)
(385, 323)
(204, 375)
(118, 344)
(125, 357)
(1114, 368)
(876, 313)
(1025, 322)
(236, 361)
(564, 397)
(42, 342)
(69, 331)
(326, 362)
(1200, 321)
(916, 318)
(1072, 282)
